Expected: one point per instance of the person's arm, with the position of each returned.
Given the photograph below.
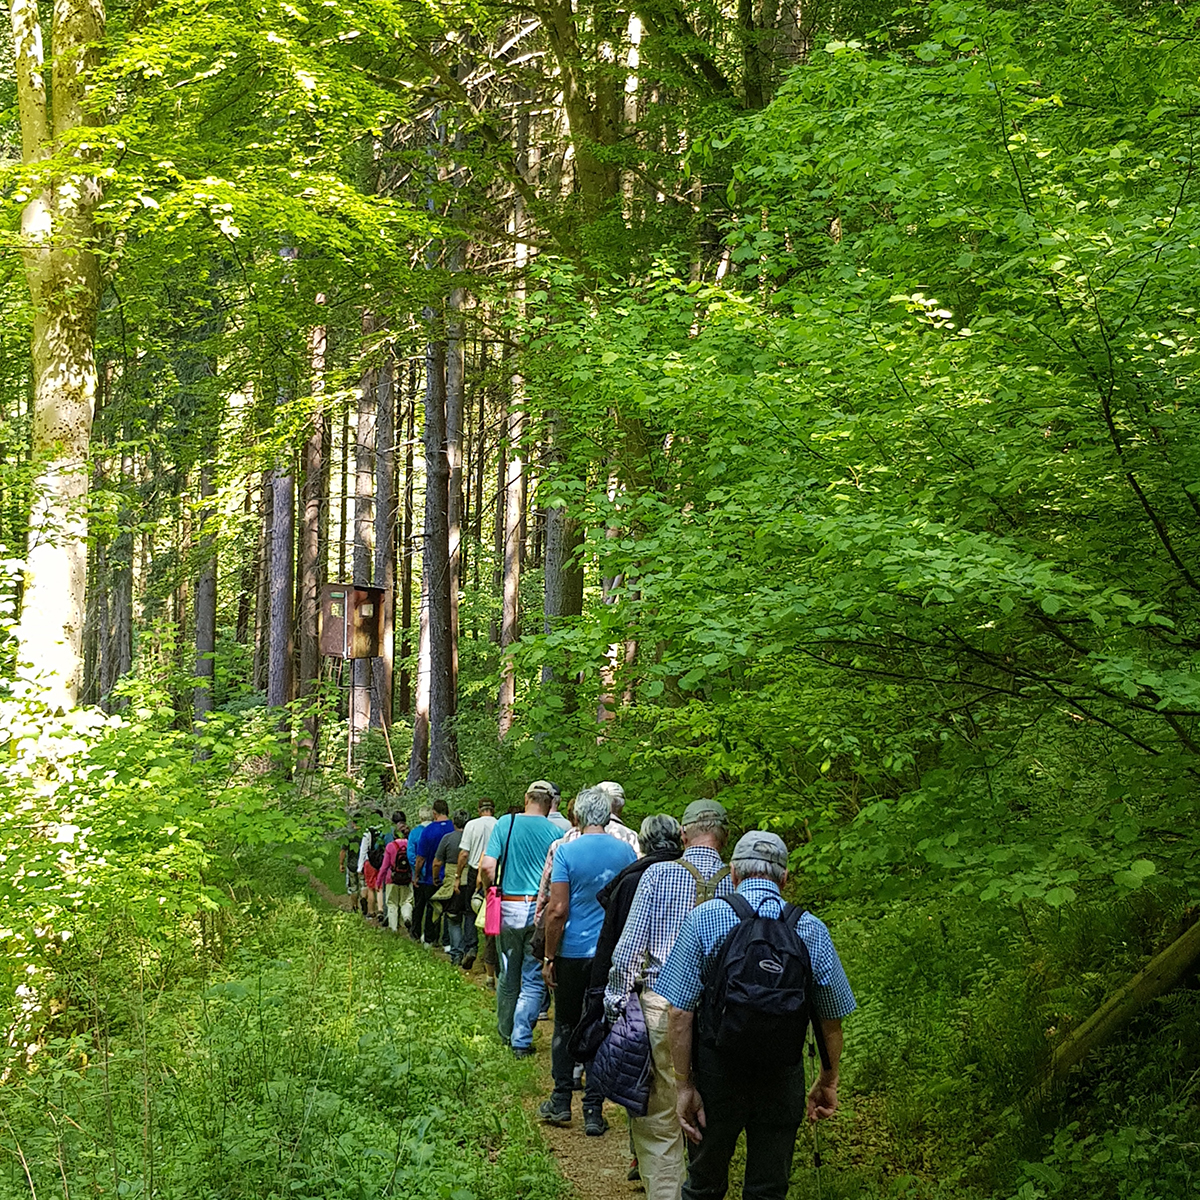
(487, 872)
(629, 954)
(488, 865)
(689, 1107)
(543, 897)
(823, 1095)
(460, 869)
(557, 911)
(342, 859)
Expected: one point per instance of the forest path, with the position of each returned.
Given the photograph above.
(595, 1167)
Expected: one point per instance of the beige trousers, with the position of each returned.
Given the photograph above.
(657, 1138)
(399, 905)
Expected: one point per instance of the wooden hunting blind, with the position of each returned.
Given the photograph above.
(351, 621)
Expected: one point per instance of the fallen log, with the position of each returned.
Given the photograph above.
(1162, 973)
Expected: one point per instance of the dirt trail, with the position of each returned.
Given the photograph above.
(596, 1167)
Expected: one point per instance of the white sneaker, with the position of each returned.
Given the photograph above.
(445, 949)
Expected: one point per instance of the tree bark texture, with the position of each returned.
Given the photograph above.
(206, 601)
(63, 276)
(281, 586)
(406, 551)
(311, 550)
(364, 533)
(385, 533)
(444, 764)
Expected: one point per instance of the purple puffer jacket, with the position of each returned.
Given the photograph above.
(622, 1066)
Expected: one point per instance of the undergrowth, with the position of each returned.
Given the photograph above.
(321, 1060)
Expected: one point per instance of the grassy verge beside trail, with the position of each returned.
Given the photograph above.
(320, 1060)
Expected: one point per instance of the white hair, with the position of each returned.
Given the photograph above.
(592, 807)
(614, 791)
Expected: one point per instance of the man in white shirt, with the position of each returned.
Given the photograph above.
(474, 842)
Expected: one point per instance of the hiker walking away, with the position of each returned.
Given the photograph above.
(396, 876)
(666, 894)
(765, 969)
(348, 864)
(470, 852)
(425, 924)
(616, 794)
(424, 816)
(515, 853)
(573, 919)
(453, 902)
(370, 859)
(554, 816)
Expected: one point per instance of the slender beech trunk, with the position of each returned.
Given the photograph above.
(206, 600)
(248, 574)
(385, 533)
(63, 276)
(281, 586)
(311, 556)
(364, 529)
(498, 527)
(262, 585)
(514, 485)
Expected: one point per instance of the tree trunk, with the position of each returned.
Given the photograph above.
(563, 581)
(514, 502)
(206, 601)
(455, 385)
(385, 534)
(406, 569)
(63, 276)
(281, 586)
(364, 530)
(262, 595)
(444, 765)
(311, 557)
(248, 574)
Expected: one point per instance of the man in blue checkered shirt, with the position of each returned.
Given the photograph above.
(666, 893)
(713, 1106)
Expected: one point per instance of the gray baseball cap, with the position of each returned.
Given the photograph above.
(540, 789)
(705, 810)
(766, 847)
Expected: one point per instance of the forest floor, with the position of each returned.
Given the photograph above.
(595, 1167)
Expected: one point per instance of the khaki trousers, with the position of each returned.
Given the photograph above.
(657, 1138)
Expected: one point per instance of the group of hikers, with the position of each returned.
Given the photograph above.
(683, 987)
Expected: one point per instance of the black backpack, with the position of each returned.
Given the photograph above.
(375, 849)
(758, 1003)
(401, 870)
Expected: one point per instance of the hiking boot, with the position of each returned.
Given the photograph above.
(522, 1051)
(468, 962)
(594, 1124)
(554, 1112)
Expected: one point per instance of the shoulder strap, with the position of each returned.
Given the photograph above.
(740, 905)
(512, 821)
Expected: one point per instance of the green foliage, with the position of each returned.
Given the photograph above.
(320, 1060)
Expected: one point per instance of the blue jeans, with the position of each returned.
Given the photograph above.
(454, 938)
(519, 993)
